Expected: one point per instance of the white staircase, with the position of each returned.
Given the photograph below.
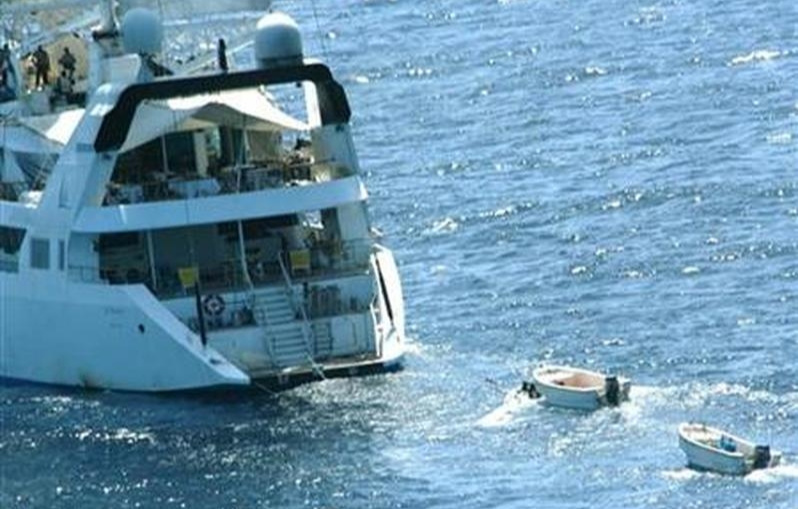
(323, 337)
(285, 340)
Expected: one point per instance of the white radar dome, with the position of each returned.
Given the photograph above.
(277, 41)
(142, 32)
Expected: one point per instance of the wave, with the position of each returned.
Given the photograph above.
(756, 56)
(443, 226)
(124, 435)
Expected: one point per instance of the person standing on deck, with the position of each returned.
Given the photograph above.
(5, 64)
(221, 54)
(41, 62)
(67, 63)
(63, 87)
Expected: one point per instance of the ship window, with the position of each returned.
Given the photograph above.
(61, 255)
(40, 253)
(257, 228)
(119, 240)
(10, 242)
(11, 239)
(180, 157)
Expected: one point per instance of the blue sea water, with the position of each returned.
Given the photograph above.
(604, 183)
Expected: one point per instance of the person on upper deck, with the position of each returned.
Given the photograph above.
(5, 64)
(64, 86)
(41, 62)
(221, 55)
(67, 63)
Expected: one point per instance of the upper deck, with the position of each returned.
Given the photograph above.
(211, 136)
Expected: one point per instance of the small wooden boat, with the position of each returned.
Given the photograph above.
(577, 388)
(715, 450)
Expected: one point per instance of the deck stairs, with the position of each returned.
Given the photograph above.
(283, 332)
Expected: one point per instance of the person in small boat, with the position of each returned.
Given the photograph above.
(727, 444)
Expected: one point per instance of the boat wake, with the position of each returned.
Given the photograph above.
(123, 435)
(695, 396)
(413, 347)
(772, 475)
(685, 474)
(775, 474)
(514, 409)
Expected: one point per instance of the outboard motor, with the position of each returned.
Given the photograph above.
(612, 390)
(530, 389)
(762, 456)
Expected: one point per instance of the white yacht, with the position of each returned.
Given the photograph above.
(184, 232)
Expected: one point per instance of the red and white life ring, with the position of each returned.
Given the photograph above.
(213, 304)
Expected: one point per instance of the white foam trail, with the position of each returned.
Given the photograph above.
(445, 225)
(683, 474)
(515, 404)
(414, 348)
(773, 475)
(118, 435)
(764, 476)
(755, 56)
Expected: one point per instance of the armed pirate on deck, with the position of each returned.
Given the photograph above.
(190, 234)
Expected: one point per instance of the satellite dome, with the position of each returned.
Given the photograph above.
(142, 32)
(277, 41)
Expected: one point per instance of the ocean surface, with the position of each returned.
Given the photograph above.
(606, 183)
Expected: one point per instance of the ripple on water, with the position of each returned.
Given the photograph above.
(755, 56)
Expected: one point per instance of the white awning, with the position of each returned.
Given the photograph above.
(242, 109)
(22, 138)
(57, 128)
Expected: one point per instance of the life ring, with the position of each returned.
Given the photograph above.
(213, 304)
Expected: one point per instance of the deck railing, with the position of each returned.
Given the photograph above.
(163, 187)
(323, 259)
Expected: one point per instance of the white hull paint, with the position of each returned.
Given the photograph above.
(701, 445)
(579, 389)
(585, 399)
(108, 262)
(703, 458)
(102, 336)
(55, 331)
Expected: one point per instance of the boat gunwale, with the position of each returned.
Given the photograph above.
(684, 435)
(598, 389)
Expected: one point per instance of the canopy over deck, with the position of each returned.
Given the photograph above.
(247, 109)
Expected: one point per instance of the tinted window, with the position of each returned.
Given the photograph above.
(40, 254)
(11, 239)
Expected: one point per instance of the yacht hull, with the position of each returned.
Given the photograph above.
(101, 336)
(123, 338)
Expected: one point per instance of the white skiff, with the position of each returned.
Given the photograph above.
(715, 450)
(577, 388)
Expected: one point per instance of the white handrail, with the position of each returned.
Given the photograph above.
(306, 329)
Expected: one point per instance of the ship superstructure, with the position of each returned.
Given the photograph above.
(190, 233)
